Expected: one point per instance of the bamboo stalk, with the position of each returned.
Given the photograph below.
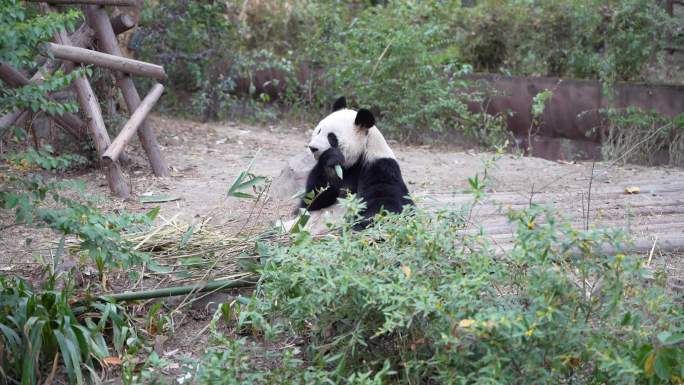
(131, 127)
(98, 20)
(113, 62)
(182, 290)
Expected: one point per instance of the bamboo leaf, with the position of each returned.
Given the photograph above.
(152, 214)
(66, 355)
(186, 236)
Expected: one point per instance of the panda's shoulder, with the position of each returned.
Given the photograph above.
(378, 167)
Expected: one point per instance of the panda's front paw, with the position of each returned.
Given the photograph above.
(329, 159)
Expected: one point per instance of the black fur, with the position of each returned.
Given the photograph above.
(364, 119)
(381, 186)
(324, 178)
(339, 104)
(332, 139)
(378, 183)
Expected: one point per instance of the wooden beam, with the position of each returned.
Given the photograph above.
(9, 118)
(122, 23)
(12, 76)
(129, 3)
(15, 118)
(15, 79)
(131, 127)
(113, 62)
(83, 37)
(96, 125)
(99, 21)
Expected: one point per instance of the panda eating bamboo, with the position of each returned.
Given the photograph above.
(349, 139)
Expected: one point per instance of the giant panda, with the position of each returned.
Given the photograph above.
(370, 170)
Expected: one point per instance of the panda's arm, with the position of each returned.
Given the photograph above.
(323, 181)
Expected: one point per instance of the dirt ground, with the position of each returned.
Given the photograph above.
(206, 158)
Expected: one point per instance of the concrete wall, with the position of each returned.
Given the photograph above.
(572, 112)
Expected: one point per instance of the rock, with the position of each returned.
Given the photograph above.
(292, 179)
(291, 182)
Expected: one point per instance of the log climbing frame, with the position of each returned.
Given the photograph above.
(71, 50)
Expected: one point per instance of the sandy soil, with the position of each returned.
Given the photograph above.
(206, 158)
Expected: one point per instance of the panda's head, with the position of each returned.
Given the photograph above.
(347, 130)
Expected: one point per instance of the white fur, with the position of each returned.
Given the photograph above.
(353, 141)
(320, 221)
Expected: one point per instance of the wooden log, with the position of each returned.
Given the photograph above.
(99, 21)
(130, 128)
(83, 37)
(9, 118)
(15, 79)
(113, 62)
(96, 125)
(16, 118)
(130, 3)
(12, 76)
(122, 23)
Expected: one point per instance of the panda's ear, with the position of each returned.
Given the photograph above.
(339, 104)
(364, 119)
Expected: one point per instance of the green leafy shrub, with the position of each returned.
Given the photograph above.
(232, 362)
(39, 327)
(445, 308)
(595, 39)
(397, 58)
(45, 159)
(407, 59)
(23, 31)
(400, 60)
(208, 47)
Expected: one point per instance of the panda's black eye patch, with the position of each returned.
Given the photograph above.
(332, 139)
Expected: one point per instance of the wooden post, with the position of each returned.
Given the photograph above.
(15, 79)
(98, 130)
(130, 128)
(99, 21)
(116, 63)
(122, 23)
(130, 3)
